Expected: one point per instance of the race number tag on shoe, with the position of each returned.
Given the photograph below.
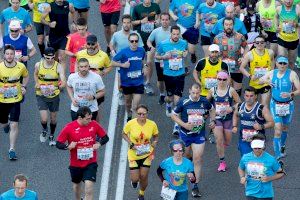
(85, 153)
(142, 149)
(167, 193)
(282, 109)
(247, 134)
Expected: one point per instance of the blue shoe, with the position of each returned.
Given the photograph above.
(12, 155)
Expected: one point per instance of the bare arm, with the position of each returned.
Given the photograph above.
(268, 117)
(235, 95)
(295, 81)
(196, 76)
(35, 74)
(244, 64)
(62, 76)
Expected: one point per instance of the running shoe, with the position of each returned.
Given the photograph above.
(121, 99)
(281, 163)
(141, 197)
(168, 110)
(175, 130)
(52, 141)
(193, 58)
(161, 99)
(282, 152)
(12, 155)
(134, 185)
(148, 89)
(6, 129)
(222, 167)
(43, 136)
(211, 137)
(196, 192)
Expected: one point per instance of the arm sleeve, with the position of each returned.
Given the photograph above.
(159, 172)
(104, 140)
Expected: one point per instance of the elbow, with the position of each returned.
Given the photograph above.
(61, 146)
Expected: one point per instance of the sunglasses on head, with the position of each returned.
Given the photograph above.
(177, 150)
(134, 41)
(221, 79)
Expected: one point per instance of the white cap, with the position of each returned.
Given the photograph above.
(214, 47)
(15, 24)
(257, 144)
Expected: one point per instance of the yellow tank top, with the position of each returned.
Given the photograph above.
(38, 9)
(208, 76)
(10, 86)
(259, 66)
(48, 80)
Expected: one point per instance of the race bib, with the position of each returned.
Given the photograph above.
(197, 120)
(142, 149)
(47, 90)
(208, 27)
(288, 27)
(134, 74)
(18, 54)
(210, 83)
(85, 153)
(221, 108)
(82, 101)
(267, 23)
(231, 64)
(42, 7)
(10, 92)
(175, 64)
(255, 170)
(260, 71)
(247, 134)
(147, 27)
(227, 3)
(167, 193)
(282, 109)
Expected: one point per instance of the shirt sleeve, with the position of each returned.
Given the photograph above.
(135, 15)
(200, 65)
(179, 107)
(63, 135)
(118, 56)
(25, 72)
(29, 44)
(127, 128)
(155, 129)
(276, 165)
(242, 163)
(163, 164)
(70, 81)
(99, 83)
(107, 62)
(1, 18)
(69, 44)
(141, 43)
(244, 41)
(151, 37)
(159, 48)
(27, 20)
(100, 130)
(191, 166)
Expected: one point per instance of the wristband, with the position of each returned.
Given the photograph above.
(131, 145)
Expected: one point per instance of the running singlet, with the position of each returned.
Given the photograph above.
(140, 136)
(10, 86)
(267, 16)
(222, 103)
(288, 23)
(48, 80)
(39, 7)
(259, 66)
(20, 45)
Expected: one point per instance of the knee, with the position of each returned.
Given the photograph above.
(143, 177)
(197, 160)
(43, 121)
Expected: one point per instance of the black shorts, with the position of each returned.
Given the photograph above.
(110, 18)
(81, 10)
(74, 115)
(100, 100)
(191, 35)
(58, 42)
(88, 173)
(205, 40)
(272, 37)
(51, 104)
(237, 77)
(263, 90)
(288, 45)
(159, 72)
(41, 29)
(137, 164)
(127, 90)
(174, 85)
(12, 110)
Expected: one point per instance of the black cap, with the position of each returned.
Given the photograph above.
(251, 7)
(91, 39)
(49, 51)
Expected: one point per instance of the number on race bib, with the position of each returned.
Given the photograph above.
(134, 74)
(85, 153)
(247, 134)
(167, 193)
(47, 90)
(147, 27)
(10, 92)
(221, 108)
(282, 109)
(210, 83)
(260, 71)
(142, 149)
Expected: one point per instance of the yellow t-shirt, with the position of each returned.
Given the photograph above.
(39, 8)
(97, 62)
(10, 86)
(141, 137)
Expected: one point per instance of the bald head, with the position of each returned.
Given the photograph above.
(229, 11)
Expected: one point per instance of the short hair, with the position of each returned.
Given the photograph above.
(81, 21)
(251, 89)
(20, 177)
(126, 16)
(142, 106)
(8, 47)
(260, 36)
(259, 136)
(82, 60)
(83, 111)
(196, 86)
(228, 19)
(18, 1)
(178, 141)
(165, 14)
(133, 34)
(175, 27)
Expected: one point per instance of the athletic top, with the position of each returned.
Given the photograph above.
(221, 103)
(238, 26)
(158, 35)
(267, 16)
(280, 85)
(39, 7)
(10, 195)
(60, 14)
(110, 6)
(82, 4)
(120, 41)
(288, 23)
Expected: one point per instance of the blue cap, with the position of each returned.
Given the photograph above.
(282, 59)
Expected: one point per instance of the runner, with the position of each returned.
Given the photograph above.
(84, 88)
(193, 116)
(223, 98)
(84, 137)
(47, 75)
(76, 42)
(23, 4)
(258, 169)
(158, 35)
(286, 85)
(172, 51)
(142, 137)
(11, 95)
(20, 190)
(145, 18)
(81, 9)
(261, 61)
(174, 170)
(130, 61)
(288, 16)
(230, 43)
(254, 118)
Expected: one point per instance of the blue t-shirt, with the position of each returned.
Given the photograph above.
(209, 17)
(10, 195)
(255, 168)
(158, 35)
(186, 11)
(176, 174)
(175, 65)
(80, 4)
(132, 76)
(9, 14)
(194, 112)
(238, 26)
(120, 41)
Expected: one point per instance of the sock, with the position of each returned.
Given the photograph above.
(276, 145)
(52, 128)
(45, 127)
(222, 159)
(283, 138)
(195, 185)
(42, 48)
(142, 192)
(239, 92)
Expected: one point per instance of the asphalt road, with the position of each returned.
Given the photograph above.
(47, 167)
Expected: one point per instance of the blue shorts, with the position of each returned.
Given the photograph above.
(244, 147)
(285, 120)
(191, 139)
(182, 195)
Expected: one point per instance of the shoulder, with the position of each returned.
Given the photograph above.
(10, 194)
(30, 193)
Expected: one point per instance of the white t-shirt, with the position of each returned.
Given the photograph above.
(83, 86)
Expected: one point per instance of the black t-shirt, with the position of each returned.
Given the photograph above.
(201, 64)
(60, 14)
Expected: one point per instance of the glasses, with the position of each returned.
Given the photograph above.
(177, 150)
(282, 63)
(260, 42)
(214, 52)
(14, 31)
(134, 41)
(91, 44)
(49, 58)
(249, 95)
(141, 114)
(221, 79)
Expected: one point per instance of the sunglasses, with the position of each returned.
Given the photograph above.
(134, 41)
(282, 63)
(141, 114)
(260, 42)
(49, 58)
(14, 31)
(249, 95)
(91, 44)
(221, 79)
(177, 150)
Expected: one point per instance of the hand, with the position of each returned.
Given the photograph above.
(61, 85)
(24, 58)
(167, 56)
(37, 85)
(152, 49)
(257, 126)
(113, 53)
(89, 97)
(212, 124)
(23, 90)
(188, 126)
(197, 24)
(75, 102)
(52, 24)
(254, 78)
(234, 130)
(229, 110)
(243, 180)
(72, 145)
(96, 146)
(144, 20)
(185, 53)
(165, 183)
(126, 64)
